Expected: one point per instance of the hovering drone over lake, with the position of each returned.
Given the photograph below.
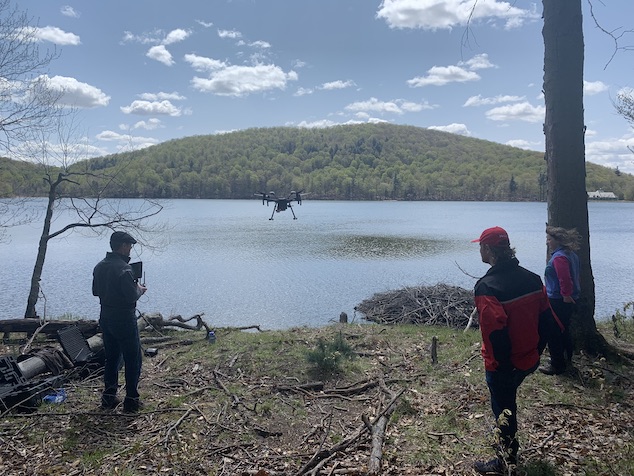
(281, 204)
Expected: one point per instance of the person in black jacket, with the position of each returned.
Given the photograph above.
(115, 285)
(513, 314)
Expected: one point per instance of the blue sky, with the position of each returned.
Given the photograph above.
(143, 72)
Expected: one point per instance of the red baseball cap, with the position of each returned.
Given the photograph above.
(495, 236)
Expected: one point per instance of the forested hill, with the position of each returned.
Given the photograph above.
(355, 162)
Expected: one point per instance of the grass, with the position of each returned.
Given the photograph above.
(237, 406)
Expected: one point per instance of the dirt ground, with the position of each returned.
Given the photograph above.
(407, 401)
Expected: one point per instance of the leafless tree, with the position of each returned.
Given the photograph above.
(35, 128)
(67, 178)
(26, 101)
(624, 105)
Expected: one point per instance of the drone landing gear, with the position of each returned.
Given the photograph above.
(279, 208)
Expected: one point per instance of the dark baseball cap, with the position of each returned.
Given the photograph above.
(121, 237)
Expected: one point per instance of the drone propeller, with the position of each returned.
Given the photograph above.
(298, 195)
(265, 197)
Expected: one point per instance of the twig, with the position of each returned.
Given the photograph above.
(27, 346)
(177, 424)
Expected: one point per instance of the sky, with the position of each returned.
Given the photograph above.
(141, 72)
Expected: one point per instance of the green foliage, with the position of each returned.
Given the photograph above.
(351, 162)
(327, 356)
(621, 327)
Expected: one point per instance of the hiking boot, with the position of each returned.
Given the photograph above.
(109, 402)
(132, 405)
(494, 467)
(550, 370)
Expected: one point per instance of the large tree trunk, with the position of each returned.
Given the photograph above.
(565, 149)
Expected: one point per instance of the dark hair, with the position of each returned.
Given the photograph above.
(502, 253)
(568, 238)
(115, 245)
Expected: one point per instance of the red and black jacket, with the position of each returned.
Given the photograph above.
(514, 314)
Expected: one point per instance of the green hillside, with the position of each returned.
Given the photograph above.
(351, 162)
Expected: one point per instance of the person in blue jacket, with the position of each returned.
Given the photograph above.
(115, 285)
(563, 288)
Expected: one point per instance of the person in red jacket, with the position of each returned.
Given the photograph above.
(514, 315)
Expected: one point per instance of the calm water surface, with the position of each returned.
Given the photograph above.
(225, 258)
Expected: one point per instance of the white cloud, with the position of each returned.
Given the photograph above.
(144, 39)
(244, 80)
(205, 24)
(594, 87)
(522, 111)
(337, 85)
(303, 92)
(524, 144)
(176, 36)
(374, 105)
(318, 124)
(480, 101)
(77, 94)
(201, 63)
(161, 96)
(160, 53)
(126, 142)
(447, 14)
(260, 44)
(231, 34)
(480, 62)
(613, 152)
(149, 125)
(54, 35)
(441, 75)
(69, 11)
(152, 108)
(328, 123)
(398, 106)
(454, 128)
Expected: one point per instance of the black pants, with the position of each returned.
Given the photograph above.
(503, 387)
(560, 343)
(122, 346)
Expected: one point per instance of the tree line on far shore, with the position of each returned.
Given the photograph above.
(350, 162)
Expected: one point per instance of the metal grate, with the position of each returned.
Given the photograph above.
(74, 344)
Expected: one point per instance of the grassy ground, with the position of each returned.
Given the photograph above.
(294, 402)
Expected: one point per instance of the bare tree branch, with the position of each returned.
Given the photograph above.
(26, 101)
(616, 35)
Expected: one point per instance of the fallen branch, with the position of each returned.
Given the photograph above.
(177, 424)
(378, 433)
(27, 346)
(343, 444)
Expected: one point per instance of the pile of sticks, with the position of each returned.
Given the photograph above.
(440, 305)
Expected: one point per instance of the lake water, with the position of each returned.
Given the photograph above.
(226, 259)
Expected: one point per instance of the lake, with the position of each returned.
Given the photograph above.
(226, 259)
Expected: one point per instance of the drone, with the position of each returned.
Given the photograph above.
(281, 204)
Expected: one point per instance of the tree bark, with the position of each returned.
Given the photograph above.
(41, 252)
(564, 131)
